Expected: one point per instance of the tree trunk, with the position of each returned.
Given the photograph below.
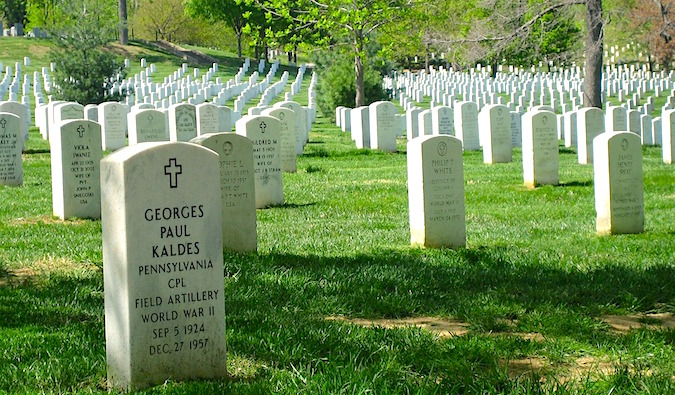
(426, 58)
(124, 28)
(594, 36)
(360, 99)
(239, 45)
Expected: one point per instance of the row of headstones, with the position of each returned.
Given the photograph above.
(497, 130)
(436, 185)
(15, 31)
(163, 233)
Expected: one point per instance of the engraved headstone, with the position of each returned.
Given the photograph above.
(113, 119)
(265, 133)
(383, 129)
(466, 125)
(436, 191)
(617, 174)
(11, 163)
(360, 126)
(412, 122)
(590, 124)
(540, 149)
(162, 265)
(287, 119)
(668, 136)
(147, 126)
(75, 157)
(182, 122)
(443, 120)
(494, 122)
(616, 119)
(237, 188)
(208, 119)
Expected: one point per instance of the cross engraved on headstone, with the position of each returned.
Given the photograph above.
(80, 131)
(624, 144)
(150, 118)
(263, 126)
(3, 122)
(173, 170)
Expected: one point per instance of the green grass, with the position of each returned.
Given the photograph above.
(533, 284)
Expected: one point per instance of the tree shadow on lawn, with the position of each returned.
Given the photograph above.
(463, 284)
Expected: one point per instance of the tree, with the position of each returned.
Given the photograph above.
(124, 28)
(350, 22)
(594, 39)
(654, 22)
(161, 19)
(13, 11)
(233, 12)
(84, 73)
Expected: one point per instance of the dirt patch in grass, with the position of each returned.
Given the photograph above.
(525, 366)
(46, 220)
(579, 369)
(442, 327)
(32, 273)
(626, 323)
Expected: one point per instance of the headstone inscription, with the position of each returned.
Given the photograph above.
(436, 191)
(616, 119)
(265, 133)
(182, 122)
(21, 111)
(383, 126)
(590, 124)
(287, 119)
(466, 125)
(443, 120)
(208, 119)
(540, 149)
(494, 122)
(162, 265)
(75, 157)
(113, 119)
(237, 188)
(147, 126)
(618, 183)
(11, 142)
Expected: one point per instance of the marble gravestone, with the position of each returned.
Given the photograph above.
(287, 118)
(113, 119)
(11, 142)
(570, 134)
(424, 123)
(412, 122)
(516, 128)
(265, 133)
(466, 125)
(182, 122)
(208, 119)
(383, 129)
(75, 157)
(443, 120)
(590, 124)
(21, 111)
(162, 265)
(494, 122)
(668, 136)
(618, 183)
(301, 129)
(616, 119)
(237, 188)
(540, 149)
(436, 192)
(66, 111)
(360, 126)
(147, 126)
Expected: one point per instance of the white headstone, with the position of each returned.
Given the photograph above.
(113, 119)
(494, 123)
(540, 148)
(412, 122)
(617, 173)
(265, 133)
(147, 126)
(361, 126)
(182, 122)
(383, 130)
(590, 124)
(436, 191)
(288, 140)
(443, 120)
(668, 136)
(208, 119)
(21, 111)
(237, 189)
(67, 111)
(11, 142)
(424, 123)
(516, 128)
(616, 119)
(570, 129)
(75, 157)
(466, 124)
(162, 265)
(646, 132)
(91, 112)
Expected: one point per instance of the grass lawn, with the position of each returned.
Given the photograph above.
(337, 301)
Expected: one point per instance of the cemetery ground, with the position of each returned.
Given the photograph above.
(337, 301)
